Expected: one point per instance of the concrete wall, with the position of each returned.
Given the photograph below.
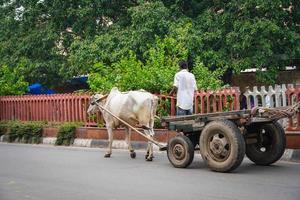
(91, 136)
(248, 79)
(161, 135)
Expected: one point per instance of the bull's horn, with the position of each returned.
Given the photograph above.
(103, 97)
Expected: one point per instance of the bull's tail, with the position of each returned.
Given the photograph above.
(154, 103)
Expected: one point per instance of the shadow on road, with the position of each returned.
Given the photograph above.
(247, 167)
(251, 168)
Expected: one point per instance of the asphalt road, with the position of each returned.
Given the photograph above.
(41, 172)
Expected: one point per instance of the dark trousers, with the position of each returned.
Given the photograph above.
(180, 111)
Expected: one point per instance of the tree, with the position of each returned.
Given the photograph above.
(129, 73)
(39, 33)
(250, 34)
(144, 23)
(207, 79)
(52, 41)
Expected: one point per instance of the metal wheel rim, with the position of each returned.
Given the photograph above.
(178, 151)
(218, 146)
(264, 140)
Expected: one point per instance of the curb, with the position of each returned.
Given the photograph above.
(3, 138)
(117, 144)
(49, 140)
(96, 143)
(291, 155)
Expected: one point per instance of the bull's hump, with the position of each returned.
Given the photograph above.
(140, 96)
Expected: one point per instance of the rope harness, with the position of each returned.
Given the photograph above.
(275, 113)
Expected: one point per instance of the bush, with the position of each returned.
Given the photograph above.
(26, 132)
(13, 131)
(66, 134)
(163, 109)
(3, 128)
(155, 73)
(34, 131)
(229, 101)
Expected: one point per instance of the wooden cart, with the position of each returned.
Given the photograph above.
(224, 138)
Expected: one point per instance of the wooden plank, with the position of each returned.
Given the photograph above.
(229, 115)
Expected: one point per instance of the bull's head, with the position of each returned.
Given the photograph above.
(95, 100)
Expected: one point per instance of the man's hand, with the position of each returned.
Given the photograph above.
(174, 89)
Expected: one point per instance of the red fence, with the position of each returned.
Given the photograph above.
(72, 107)
(52, 108)
(293, 96)
(217, 101)
(60, 108)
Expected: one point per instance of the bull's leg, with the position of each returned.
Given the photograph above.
(147, 152)
(149, 155)
(128, 138)
(151, 134)
(110, 141)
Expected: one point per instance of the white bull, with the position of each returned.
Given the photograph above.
(137, 108)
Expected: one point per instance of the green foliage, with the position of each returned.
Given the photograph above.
(207, 79)
(163, 109)
(267, 76)
(66, 134)
(101, 79)
(52, 41)
(11, 82)
(137, 32)
(229, 101)
(26, 132)
(250, 34)
(41, 32)
(129, 73)
(14, 132)
(148, 20)
(3, 128)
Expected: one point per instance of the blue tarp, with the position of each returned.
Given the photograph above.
(37, 88)
(79, 80)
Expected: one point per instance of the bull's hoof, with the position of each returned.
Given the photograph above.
(150, 158)
(132, 154)
(146, 156)
(107, 155)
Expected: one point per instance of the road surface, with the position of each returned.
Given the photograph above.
(41, 172)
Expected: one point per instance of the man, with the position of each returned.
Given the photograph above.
(185, 86)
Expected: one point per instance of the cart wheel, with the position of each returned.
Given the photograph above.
(222, 146)
(270, 143)
(132, 154)
(180, 151)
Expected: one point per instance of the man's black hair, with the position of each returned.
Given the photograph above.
(183, 64)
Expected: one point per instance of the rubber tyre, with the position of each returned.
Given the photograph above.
(235, 146)
(274, 146)
(186, 149)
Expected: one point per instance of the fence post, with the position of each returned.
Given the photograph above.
(276, 96)
(293, 95)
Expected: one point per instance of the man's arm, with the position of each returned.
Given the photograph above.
(174, 89)
(195, 85)
(175, 85)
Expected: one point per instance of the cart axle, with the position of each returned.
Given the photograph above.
(163, 148)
